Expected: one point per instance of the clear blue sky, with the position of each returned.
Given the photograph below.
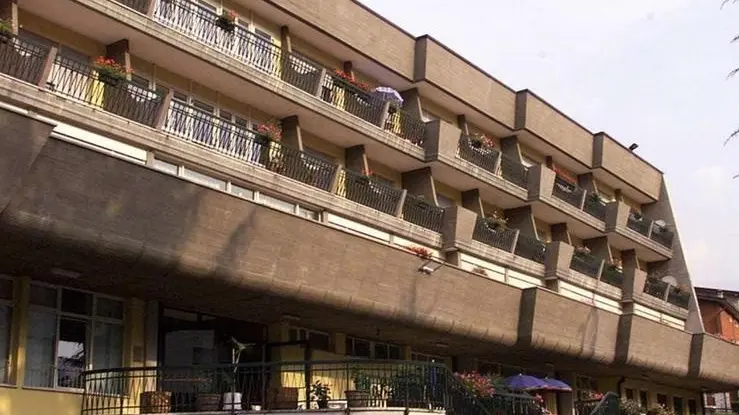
(646, 71)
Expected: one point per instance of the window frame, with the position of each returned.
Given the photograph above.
(372, 346)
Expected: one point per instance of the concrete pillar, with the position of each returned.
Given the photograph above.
(522, 218)
(291, 132)
(9, 13)
(541, 182)
(412, 102)
(462, 124)
(471, 200)
(457, 227)
(617, 214)
(510, 147)
(356, 159)
(441, 140)
(286, 43)
(558, 257)
(420, 183)
(339, 343)
(406, 353)
(151, 340)
(120, 52)
(19, 333)
(561, 233)
(587, 181)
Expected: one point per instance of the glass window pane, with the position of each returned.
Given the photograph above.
(43, 296)
(394, 352)
(6, 289)
(307, 213)
(40, 349)
(71, 352)
(204, 179)
(109, 308)
(320, 341)
(242, 192)
(76, 302)
(6, 321)
(381, 351)
(107, 346)
(643, 399)
(362, 348)
(277, 203)
(165, 167)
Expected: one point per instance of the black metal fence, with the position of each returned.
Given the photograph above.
(639, 224)
(203, 128)
(678, 297)
(22, 59)
(350, 98)
(141, 6)
(513, 171)
(286, 386)
(369, 192)
(418, 211)
(491, 233)
(662, 235)
(655, 287)
(478, 155)
(567, 192)
(79, 81)
(586, 264)
(406, 125)
(594, 206)
(511, 404)
(531, 248)
(612, 275)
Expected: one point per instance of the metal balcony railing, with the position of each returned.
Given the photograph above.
(493, 234)
(662, 235)
(586, 264)
(200, 23)
(531, 248)
(638, 223)
(594, 206)
(513, 171)
(655, 287)
(203, 128)
(369, 192)
(678, 297)
(567, 192)
(229, 389)
(141, 6)
(485, 158)
(22, 59)
(418, 211)
(79, 81)
(612, 275)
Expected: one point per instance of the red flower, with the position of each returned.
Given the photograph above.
(271, 130)
(421, 252)
(349, 78)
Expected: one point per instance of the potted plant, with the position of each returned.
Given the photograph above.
(109, 71)
(232, 399)
(349, 79)
(321, 393)
(421, 252)
(481, 141)
(636, 216)
(593, 199)
(496, 221)
(6, 31)
(226, 21)
(205, 399)
(480, 385)
(360, 396)
(271, 130)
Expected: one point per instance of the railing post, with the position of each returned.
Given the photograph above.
(335, 180)
(582, 198)
(163, 110)
(318, 87)
(515, 241)
(649, 230)
(497, 164)
(600, 269)
(401, 202)
(151, 8)
(48, 65)
(382, 120)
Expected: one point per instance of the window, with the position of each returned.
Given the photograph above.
(70, 331)
(165, 167)
(644, 400)
(371, 350)
(278, 204)
(6, 321)
(692, 407)
(316, 339)
(203, 179)
(662, 399)
(630, 394)
(242, 192)
(308, 213)
(677, 405)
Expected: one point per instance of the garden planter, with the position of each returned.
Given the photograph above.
(155, 402)
(207, 401)
(225, 24)
(110, 79)
(357, 399)
(232, 401)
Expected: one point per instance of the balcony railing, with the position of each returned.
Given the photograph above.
(418, 211)
(369, 192)
(513, 171)
(567, 192)
(22, 59)
(662, 235)
(362, 385)
(638, 223)
(203, 128)
(496, 235)
(141, 6)
(656, 287)
(200, 23)
(594, 206)
(612, 275)
(586, 264)
(678, 297)
(530, 248)
(475, 153)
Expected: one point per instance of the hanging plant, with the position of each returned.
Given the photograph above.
(349, 79)
(271, 130)
(6, 31)
(226, 21)
(421, 252)
(109, 71)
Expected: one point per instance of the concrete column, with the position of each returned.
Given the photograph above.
(420, 183)
(587, 181)
(291, 133)
(634, 280)
(9, 13)
(356, 159)
(617, 214)
(286, 43)
(441, 140)
(560, 233)
(278, 332)
(406, 352)
(462, 124)
(19, 333)
(120, 52)
(541, 182)
(457, 227)
(629, 259)
(521, 218)
(339, 343)
(471, 200)
(510, 147)
(151, 340)
(412, 102)
(558, 257)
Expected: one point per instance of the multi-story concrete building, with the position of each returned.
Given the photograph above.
(231, 169)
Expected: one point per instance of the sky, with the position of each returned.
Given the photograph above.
(653, 72)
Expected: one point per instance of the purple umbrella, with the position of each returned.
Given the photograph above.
(557, 385)
(524, 382)
(386, 93)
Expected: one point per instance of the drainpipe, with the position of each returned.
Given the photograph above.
(619, 384)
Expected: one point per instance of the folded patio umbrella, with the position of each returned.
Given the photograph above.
(557, 385)
(524, 382)
(388, 94)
